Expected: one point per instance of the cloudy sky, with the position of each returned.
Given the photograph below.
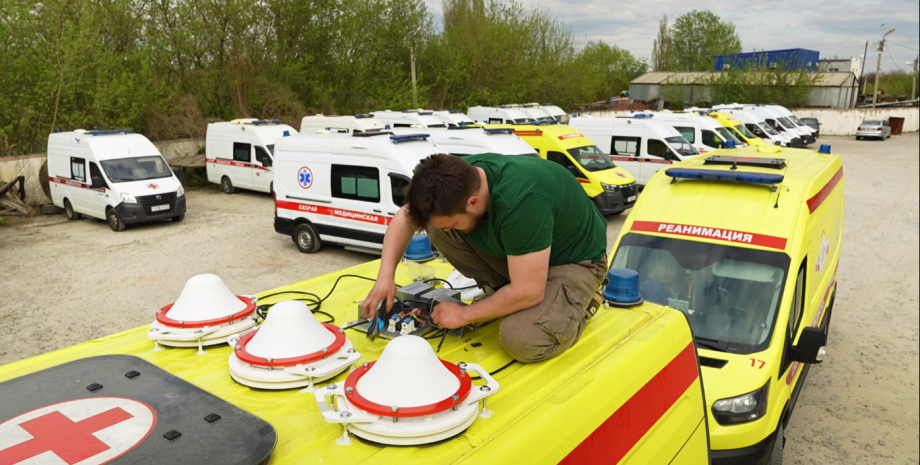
(834, 28)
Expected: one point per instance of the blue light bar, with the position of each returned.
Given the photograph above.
(718, 175)
(825, 149)
(425, 113)
(101, 132)
(363, 115)
(730, 144)
(500, 131)
(409, 137)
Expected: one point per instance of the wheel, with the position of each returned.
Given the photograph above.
(226, 186)
(115, 222)
(826, 324)
(178, 218)
(68, 210)
(50, 209)
(858, 138)
(776, 457)
(306, 239)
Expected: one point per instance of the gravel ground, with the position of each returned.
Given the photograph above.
(62, 282)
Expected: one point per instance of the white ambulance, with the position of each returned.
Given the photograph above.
(113, 175)
(498, 115)
(538, 112)
(702, 131)
(408, 119)
(343, 188)
(555, 112)
(638, 144)
(757, 125)
(238, 153)
(344, 124)
(794, 120)
(453, 118)
(473, 140)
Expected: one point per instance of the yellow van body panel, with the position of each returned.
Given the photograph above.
(729, 121)
(617, 391)
(802, 218)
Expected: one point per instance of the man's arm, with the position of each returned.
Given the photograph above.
(399, 234)
(528, 284)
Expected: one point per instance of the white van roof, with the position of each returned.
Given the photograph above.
(364, 122)
(611, 123)
(553, 110)
(514, 114)
(474, 140)
(454, 117)
(108, 144)
(402, 150)
(696, 118)
(537, 112)
(423, 118)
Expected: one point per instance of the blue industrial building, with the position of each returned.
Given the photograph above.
(795, 59)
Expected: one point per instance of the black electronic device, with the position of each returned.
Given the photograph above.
(411, 313)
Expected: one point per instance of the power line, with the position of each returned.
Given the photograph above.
(892, 60)
(899, 45)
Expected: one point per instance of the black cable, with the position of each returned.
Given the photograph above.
(493, 373)
(439, 280)
(436, 334)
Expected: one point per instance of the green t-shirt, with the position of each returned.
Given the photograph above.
(535, 204)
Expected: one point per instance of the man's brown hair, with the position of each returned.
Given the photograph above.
(441, 184)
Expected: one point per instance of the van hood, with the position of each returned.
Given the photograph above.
(614, 176)
(737, 377)
(148, 186)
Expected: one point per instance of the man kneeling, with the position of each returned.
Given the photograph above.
(523, 229)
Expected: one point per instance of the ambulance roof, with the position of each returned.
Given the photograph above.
(687, 194)
(109, 144)
(565, 134)
(606, 122)
(406, 148)
(473, 140)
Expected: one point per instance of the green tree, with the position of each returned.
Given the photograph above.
(662, 56)
(697, 36)
(608, 69)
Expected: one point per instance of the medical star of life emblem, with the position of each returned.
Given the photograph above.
(305, 177)
(621, 175)
(152, 186)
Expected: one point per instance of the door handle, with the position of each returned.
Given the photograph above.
(391, 213)
(377, 210)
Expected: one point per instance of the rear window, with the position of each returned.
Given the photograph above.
(872, 123)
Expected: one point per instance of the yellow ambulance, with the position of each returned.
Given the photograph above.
(746, 243)
(737, 129)
(612, 188)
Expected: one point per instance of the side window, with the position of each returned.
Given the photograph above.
(402, 125)
(356, 183)
(798, 303)
(628, 146)
(95, 176)
(688, 133)
(77, 169)
(263, 157)
(560, 158)
(657, 148)
(242, 152)
(496, 121)
(398, 185)
(711, 139)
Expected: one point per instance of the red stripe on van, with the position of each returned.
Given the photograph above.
(614, 438)
(821, 196)
(338, 212)
(719, 234)
(528, 133)
(72, 183)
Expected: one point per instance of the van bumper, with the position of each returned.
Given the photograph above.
(131, 213)
(758, 454)
(284, 226)
(610, 203)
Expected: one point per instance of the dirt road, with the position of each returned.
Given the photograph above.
(68, 282)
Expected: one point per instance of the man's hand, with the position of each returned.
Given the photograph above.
(382, 290)
(448, 315)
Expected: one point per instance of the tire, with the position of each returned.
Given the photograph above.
(114, 221)
(226, 185)
(50, 209)
(69, 211)
(179, 218)
(776, 457)
(858, 138)
(827, 318)
(306, 239)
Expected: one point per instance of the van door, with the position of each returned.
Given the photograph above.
(711, 140)
(625, 152)
(262, 170)
(660, 156)
(241, 172)
(567, 163)
(398, 183)
(358, 204)
(78, 192)
(100, 188)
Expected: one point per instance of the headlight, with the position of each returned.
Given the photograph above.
(128, 198)
(610, 187)
(180, 191)
(741, 409)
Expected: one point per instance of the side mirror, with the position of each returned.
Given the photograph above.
(98, 182)
(810, 348)
(575, 172)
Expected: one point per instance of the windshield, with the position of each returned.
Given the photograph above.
(796, 120)
(436, 126)
(523, 120)
(743, 131)
(727, 135)
(871, 123)
(786, 123)
(591, 158)
(136, 168)
(769, 129)
(730, 295)
(546, 118)
(681, 146)
(271, 149)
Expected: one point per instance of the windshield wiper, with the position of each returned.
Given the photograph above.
(709, 344)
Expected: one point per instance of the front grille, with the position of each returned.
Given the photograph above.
(148, 201)
(629, 190)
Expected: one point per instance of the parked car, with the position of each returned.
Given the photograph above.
(814, 124)
(877, 129)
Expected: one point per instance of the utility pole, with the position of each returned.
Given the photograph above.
(862, 73)
(913, 79)
(412, 59)
(878, 67)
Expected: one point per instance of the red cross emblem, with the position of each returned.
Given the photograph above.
(621, 175)
(86, 431)
(152, 186)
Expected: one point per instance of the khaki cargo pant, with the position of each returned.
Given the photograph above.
(545, 330)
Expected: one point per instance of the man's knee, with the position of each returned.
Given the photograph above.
(529, 342)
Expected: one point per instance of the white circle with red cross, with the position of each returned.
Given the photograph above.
(83, 431)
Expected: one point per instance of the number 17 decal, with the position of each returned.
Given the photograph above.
(759, 364)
